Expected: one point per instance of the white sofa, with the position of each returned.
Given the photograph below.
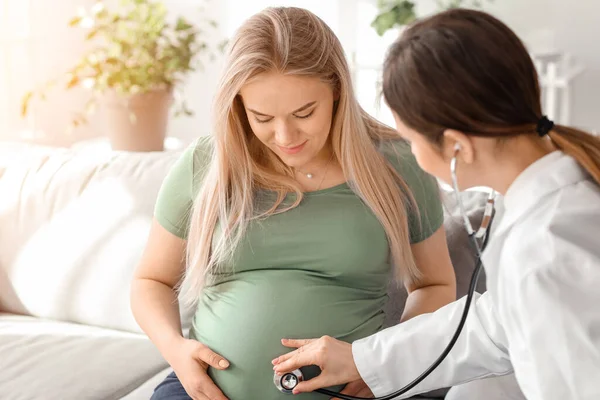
(72, 227)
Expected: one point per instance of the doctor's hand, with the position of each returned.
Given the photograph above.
(334, 357)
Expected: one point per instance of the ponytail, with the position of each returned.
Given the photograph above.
(583, 147)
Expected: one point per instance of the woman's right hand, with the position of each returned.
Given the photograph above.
(334, 358)
(190, 360)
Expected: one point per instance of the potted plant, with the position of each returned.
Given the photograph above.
(398, 13)
(138, 63)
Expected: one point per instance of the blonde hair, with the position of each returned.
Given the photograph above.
(291, 41)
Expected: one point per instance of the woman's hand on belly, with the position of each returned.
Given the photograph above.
(190, 360)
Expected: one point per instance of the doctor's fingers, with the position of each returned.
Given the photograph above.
(316, 352)
(302, 345)
(298, 358)
(313, 384)
(296, 343)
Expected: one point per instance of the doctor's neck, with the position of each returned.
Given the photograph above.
(499, 164)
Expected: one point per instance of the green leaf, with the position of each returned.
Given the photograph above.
(25, 103)
(383, 22)
(140, 51)
(91, 34)
(405, 13)
(393, 13)
(182, 25)
(75, 21)
(223, 45)
(73, 81)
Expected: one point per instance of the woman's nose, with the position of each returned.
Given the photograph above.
(285, 135)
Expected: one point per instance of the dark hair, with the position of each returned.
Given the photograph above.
(466, 70)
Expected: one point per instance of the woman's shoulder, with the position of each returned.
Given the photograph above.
(200, 152)
(424, 190)
(178, 189)
(397, 152)
(191, 165)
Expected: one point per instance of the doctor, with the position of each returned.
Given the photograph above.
(462, 84)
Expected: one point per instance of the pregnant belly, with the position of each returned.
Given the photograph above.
(244, 320)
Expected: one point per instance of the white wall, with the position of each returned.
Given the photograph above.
(201, 85)
(47, 48)
(544, 24)
(557, 25)
(35, 45)
(570, 26)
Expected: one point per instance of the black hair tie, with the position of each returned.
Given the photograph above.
(544, 126)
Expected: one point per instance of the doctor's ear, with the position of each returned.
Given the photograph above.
(459, 144)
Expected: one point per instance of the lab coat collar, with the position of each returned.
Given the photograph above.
(548, 174)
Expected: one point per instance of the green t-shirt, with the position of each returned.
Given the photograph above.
(322, 268)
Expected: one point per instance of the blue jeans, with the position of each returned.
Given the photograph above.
(170, 389)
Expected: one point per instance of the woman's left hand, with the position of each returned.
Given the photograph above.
(334, 357)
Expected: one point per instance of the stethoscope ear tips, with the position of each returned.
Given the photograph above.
(287, 382)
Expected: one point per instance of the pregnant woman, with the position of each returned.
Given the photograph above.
(289, 220)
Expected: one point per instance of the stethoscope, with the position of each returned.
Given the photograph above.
(287, 382)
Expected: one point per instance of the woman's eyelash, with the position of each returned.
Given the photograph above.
(263, 121)
(305, 116)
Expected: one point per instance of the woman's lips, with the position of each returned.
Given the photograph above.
(292, 150)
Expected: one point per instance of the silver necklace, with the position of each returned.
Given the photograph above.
(310, 175)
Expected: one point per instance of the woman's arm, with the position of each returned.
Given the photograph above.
(153, 300)
(156, 309)
(438, 284)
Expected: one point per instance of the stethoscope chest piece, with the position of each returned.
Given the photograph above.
(287, 382)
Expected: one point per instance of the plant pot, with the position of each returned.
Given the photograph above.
(138, 122)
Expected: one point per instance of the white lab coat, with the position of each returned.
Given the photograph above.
(540, 317)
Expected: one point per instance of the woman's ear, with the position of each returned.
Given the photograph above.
(457, 143)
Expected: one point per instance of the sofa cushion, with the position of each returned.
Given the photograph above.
(145, 390)
(44, 359)
(72, 228)
(461, 251)
(461, 254)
